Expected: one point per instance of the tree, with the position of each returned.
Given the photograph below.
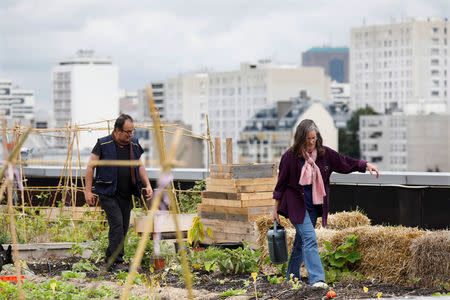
(348, 137)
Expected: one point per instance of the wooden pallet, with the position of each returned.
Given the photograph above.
(232, 213)
(236, 195)
(243, 171)
(225, 231)
(249, 185)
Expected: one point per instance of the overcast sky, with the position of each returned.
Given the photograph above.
(152, 40)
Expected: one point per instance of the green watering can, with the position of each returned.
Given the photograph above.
(276, 239)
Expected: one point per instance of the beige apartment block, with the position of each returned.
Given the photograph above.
(417, 143)
(236, 96)
(402, 65)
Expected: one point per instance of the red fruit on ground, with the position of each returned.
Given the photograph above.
(331, 294)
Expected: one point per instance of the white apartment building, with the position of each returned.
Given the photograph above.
(235, 96)
(402, 65)
(17, 104)
(187, 100)
(417, 143)
(85, 89)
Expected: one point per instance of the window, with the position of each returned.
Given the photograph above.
(435, 41)
(434, 51)
(377, 159)
(435, 93)
(434, 30)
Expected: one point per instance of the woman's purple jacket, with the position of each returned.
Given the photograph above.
(291, 193)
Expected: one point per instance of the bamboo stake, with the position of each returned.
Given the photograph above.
(79, 161)
(149, 223)
(209, 141)
(163, 141)
(59, 186)
(9, 162)
(22, 194)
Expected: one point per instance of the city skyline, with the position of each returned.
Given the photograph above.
(180, 37)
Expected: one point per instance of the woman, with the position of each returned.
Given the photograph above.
(302, 194)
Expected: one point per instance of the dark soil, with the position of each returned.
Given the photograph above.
(218, 283)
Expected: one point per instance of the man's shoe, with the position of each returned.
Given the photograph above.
(117, 267)
(320, 284)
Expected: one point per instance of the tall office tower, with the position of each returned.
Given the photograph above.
(402, 65)
(85, 89)
(333, 59)
(17, 104)
(235, 96)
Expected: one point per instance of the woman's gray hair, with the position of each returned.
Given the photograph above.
(300, 136)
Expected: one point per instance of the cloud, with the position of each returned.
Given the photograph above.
(152, 40)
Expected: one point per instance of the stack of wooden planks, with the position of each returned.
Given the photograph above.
(237, 194)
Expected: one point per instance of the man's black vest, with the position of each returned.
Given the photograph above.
(106, 176)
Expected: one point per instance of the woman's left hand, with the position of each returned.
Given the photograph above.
(372, 168)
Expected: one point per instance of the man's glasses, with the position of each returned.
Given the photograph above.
(129, 132)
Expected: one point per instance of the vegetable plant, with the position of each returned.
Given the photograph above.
(196, 233)
(337, 262)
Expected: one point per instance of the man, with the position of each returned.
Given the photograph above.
(116, 185)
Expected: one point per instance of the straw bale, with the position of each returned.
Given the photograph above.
(385, 252)
(431, 259)
(340, 219)
(345, 219)
(324, 234)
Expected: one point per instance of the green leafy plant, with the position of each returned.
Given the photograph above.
(233, 293)
(196, 233)
(240, 260)
(43, 195)
(54, 289)
(84, 266)
(130, 248)
(275, 280)
(296, 284)
(122, 277)
(99, 246)
(280, 269)
(65, 275)
(337, 262)
(440, 294)
(189, 199)
(206, 259)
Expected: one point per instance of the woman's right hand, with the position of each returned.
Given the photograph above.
(275, 215)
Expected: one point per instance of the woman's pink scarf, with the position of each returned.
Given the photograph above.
(311, 175)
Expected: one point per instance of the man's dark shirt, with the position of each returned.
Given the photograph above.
(124, 185)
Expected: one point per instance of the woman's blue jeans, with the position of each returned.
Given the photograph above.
(305, 250)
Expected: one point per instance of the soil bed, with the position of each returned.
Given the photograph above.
(216, 283)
